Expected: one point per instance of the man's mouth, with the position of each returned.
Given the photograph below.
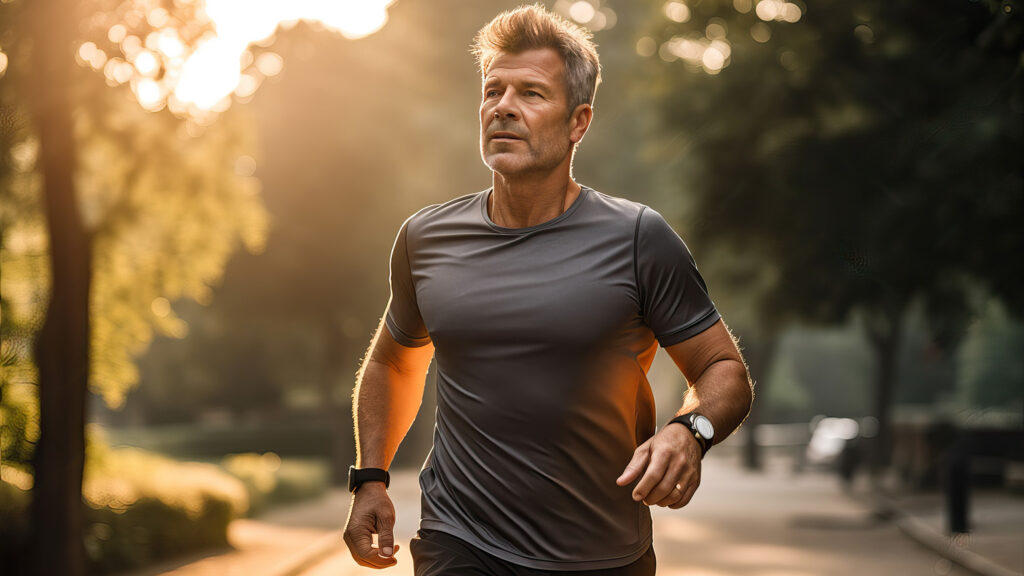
(500, 135)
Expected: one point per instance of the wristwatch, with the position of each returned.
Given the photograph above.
(356, 477)
(701, 428)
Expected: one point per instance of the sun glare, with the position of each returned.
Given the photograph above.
(195, 65)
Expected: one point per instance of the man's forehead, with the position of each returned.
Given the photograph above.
(541, 64)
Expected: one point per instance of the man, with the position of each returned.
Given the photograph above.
(542, 302)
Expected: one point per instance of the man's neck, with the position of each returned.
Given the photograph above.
(521, 202)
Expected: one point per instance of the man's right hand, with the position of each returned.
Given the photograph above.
(371, 513)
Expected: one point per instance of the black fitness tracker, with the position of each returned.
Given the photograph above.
(357, 476)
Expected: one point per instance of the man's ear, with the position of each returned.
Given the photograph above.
(579, 122)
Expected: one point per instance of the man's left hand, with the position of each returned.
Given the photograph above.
(670, 464)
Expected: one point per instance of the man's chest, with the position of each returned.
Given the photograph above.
(544, 290)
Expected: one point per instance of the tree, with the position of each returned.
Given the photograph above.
(127, 226)
(862, 154)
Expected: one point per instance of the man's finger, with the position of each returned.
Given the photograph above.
(655, 472)
(674, 496)
(687, 496)
(386, 540)
(375, 560)
(688, 487)
(360, 545)
(663, 490)
(636, 465)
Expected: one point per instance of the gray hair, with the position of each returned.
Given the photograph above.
(533, 27)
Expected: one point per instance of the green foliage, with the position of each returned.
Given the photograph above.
(24, 279)
(152, 529)
(140, 506)
(271, 481)
(991, 368)
(166, 220)
(143, 507)
(166, 208)
(819, 371)
(865, 156)
(308, 437)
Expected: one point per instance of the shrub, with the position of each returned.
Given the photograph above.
(271, 480)
(143, 507)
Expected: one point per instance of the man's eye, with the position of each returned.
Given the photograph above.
(491, 93)
(532, 93)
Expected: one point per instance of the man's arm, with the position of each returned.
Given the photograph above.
(721, 390)
(387, 395)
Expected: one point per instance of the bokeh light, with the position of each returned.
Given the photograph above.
(646, 46)
(590, 13)
(582, 11)
(780, 10)
(743, 6)
(676, 11)
(711, 51)
(195, 64)
(761, 32)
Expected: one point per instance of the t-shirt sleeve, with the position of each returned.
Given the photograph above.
(403, 318)
(674, 299)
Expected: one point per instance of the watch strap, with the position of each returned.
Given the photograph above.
(687, 420)
(358, 476)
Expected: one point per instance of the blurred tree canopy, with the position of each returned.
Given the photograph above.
(853, 162)
(861, 157)
(164, 212)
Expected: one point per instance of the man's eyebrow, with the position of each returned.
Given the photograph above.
(536, 84)
(526, 83)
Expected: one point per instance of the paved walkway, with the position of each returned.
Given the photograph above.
(769, 524)
(995, 545)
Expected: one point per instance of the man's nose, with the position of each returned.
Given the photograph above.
(507, 107)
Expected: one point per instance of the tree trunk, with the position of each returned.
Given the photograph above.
(885, 339)
(62, 346)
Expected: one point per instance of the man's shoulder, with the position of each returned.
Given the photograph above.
(615, 206)
(457, 209)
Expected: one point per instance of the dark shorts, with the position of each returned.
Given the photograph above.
(435, 553)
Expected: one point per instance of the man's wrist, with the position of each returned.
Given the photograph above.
(370, 486)
(358, 477)
(700, 427)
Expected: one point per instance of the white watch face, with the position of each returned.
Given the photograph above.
(704, 426)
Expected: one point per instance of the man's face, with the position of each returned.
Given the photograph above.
(524, 115)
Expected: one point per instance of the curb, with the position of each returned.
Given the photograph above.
(948, 547)
(309, 556)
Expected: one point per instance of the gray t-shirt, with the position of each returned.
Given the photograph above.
(543, 337)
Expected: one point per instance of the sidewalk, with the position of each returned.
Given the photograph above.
(769, 524)
(993, 547)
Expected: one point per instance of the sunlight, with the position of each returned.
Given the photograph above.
(589, 13)
(676, 11)
(712, 51)
(778, 10)
(195, 58)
